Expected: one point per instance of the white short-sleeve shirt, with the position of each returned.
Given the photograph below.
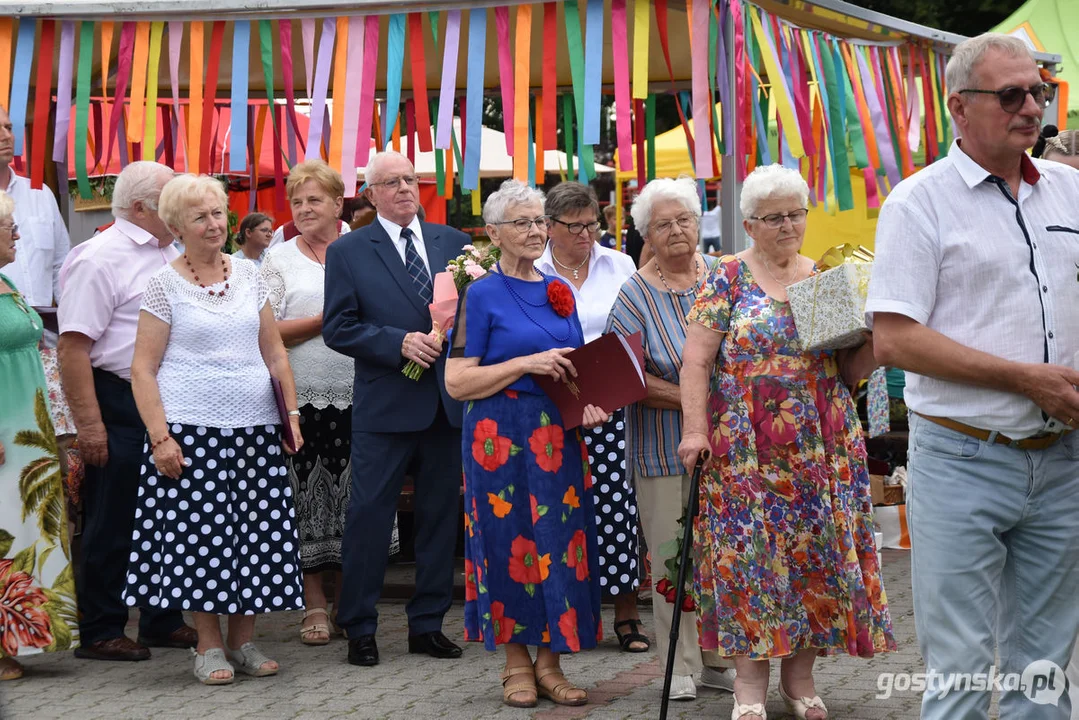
(608, 270)
(958, 254)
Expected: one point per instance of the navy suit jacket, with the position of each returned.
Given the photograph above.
(370, 305)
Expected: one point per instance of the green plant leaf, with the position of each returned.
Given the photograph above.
(64, 583)
(530, 589)
(43, 558)
(565, 558)
(518, 628)
(61, 631)
(541, 510)
(545, 419)
(514, 449)
(510, 488)
(470, 404)
(6, 539)
(563, 517)
(25, 560)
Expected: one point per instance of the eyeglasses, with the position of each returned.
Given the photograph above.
(392, 183)
(11, 229)
(577, 228)
(523, 225)
(1012, 98)
(775, 220)
(665, 226)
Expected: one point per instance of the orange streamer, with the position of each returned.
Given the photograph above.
(197, 48)
(520, 91)
(7, 29)
(337, 124)
(137, 114)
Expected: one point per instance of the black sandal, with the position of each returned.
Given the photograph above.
(625, 640)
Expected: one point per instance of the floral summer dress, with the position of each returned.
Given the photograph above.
(787, 560)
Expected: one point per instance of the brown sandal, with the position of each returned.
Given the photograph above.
(10, 669)
(315, 633)
(558, 691)
(518, 686)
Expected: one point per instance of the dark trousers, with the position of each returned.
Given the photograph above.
(109, 496)
(379, 463)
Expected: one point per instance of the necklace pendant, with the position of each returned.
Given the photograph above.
(576, 276)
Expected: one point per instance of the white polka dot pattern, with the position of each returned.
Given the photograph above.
(615, 506)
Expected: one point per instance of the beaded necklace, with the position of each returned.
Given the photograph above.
(224, 271)
(521, 302)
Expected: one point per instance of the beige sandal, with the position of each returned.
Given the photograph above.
(525, 682)
(558, 691)
(315, 633)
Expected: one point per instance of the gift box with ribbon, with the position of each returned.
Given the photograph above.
(829, 307)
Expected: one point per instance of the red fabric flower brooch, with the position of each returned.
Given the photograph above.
(561, 298)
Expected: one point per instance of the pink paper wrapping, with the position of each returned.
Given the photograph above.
(444, 295)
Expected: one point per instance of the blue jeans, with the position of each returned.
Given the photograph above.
(995, 543)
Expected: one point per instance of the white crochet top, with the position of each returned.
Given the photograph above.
(212, 373)
(296, 286)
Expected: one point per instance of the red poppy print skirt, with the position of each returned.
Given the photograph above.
(530, 534)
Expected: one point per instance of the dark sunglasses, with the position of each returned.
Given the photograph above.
(1012, 98)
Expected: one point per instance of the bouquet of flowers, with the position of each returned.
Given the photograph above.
(666, 586)
(473, 263)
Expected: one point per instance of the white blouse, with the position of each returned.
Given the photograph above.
(296, 286)
(608, 270)
(212, 373)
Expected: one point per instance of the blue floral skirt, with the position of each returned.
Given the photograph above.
(531, 567)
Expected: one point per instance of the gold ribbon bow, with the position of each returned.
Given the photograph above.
(841, 254)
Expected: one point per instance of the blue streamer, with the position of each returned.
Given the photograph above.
(241, 47)
(395, 56)
(531, 155)
(593, 72)
(762, 127)
(20, 83)
(477, 54)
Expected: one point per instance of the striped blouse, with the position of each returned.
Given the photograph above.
(653, 434)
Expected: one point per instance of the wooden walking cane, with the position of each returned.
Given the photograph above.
(692, 508)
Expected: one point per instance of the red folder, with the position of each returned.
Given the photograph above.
(286, 425)
(610, 375)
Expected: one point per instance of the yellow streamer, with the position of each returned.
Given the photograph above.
(337, 125)
(476, 209)
(149, 140)
(138, 82)
(642, 18)
(783, 102)
(935, 80)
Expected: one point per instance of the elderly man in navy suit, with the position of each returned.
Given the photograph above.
(378, 288)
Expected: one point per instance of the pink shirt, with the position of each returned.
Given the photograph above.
(101, 286)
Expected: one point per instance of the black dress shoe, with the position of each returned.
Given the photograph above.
(434, 644)
(363, 651)
(121, 648)
(184, 636)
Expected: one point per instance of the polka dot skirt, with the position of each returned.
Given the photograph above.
(221, 539)
(616, 506)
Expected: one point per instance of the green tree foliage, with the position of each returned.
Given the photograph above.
(965, 17)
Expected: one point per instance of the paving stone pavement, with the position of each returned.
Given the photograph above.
(318, 684)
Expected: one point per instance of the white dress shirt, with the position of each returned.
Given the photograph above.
(394, 231)
(43, 242)
(101, 287)
(608, 270)
(958, 254)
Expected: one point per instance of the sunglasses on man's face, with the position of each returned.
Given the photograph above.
(1012, 98)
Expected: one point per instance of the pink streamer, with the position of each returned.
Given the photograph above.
(874, 91)
(321, 88)
(307, 29)
(367, 91)
(698, 49)
(505, 69)
(872, 194)
(801, 92)
(353, 91)
(741, 131)
(914, 107)
(622, 102)
(176, 39)
(444, 126)
(63, 91)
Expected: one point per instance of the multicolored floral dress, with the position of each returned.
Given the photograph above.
(787, 560)
(37, 588)
(530, 532)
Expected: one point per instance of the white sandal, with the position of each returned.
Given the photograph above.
(209, 663)
(250, 660)
(798, 707)
(315, 633)
(741, 711)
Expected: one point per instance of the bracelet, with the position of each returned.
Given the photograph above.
(294, 413)
(154, 446)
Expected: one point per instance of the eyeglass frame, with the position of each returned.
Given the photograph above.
(14, 229)
(783, 217)
(540, 222)
(590, 227)
(1048, 90)
(410, 181)
(690, 219)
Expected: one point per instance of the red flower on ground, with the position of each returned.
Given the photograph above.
(547, 442)
(22, 613)
(577, 555)
(524, 562)
(488, 448)
(471, 593)
(561, 298)
(567, 625)
(502, 625)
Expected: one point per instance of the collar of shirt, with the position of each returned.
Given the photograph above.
(137, 234)
(973, 173)
(13, 180)
(394, 230)
(545, 263)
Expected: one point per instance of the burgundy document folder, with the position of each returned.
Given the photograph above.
(610, 375)
(286, 426)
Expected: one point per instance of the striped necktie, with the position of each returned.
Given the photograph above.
(416, 269)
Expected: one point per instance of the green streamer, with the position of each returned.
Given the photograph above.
(567, 134)
(576, 65)
(82, 106)
(266, 49)
(844, 193)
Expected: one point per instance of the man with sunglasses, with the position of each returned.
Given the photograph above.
(974, 294)
(378, 289)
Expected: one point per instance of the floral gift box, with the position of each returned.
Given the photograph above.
(829, 307)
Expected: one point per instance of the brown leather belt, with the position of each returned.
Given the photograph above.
(1041, 441)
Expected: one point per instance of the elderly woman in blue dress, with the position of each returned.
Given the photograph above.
(530, 538)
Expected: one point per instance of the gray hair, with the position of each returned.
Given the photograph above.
(684, 190)
(771, 181)
(7, 205)
(140, 181)
(569, 197)
(959, 73)
(512, 192)
(371, 173)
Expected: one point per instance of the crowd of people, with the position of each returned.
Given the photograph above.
(246, 427)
